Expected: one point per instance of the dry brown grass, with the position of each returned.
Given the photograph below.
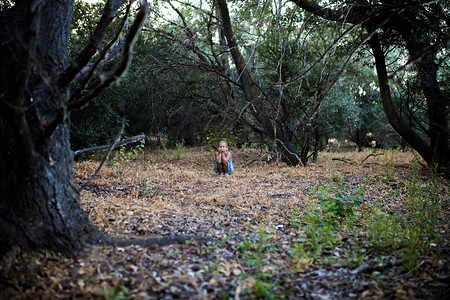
(156, 184)
(158, 195)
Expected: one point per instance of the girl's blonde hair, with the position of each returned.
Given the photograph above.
(224, 142)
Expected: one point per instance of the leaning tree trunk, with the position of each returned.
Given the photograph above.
(252, 94)
(437, 111)
(437, 150)
(39, 206)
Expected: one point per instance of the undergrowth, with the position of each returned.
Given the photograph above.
(340, 218)
(342, 210)
(342, 214)
(282, 232)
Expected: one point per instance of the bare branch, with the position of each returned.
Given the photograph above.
(371, 154)
(105, 55)
(108, 79)
(105, 147)
(94, 45)
(99, 62)
(111, 147)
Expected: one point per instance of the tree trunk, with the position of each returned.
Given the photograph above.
(437, 111)
(422, 43)
(252, 94)
(437, 150)
(39, 206)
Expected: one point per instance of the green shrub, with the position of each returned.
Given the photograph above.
(179, 150)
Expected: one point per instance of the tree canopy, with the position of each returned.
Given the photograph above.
(296, 74)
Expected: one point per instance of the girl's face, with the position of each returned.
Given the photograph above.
(223, 147)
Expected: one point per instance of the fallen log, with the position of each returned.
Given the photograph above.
(105, 147)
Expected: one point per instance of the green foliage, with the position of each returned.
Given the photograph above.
(254, 253)
(244, 148)
(424, 204)
(383, 233)
(95, 125)
(117, 293)
(213, 137)
(386, 232)
(124, 155)
(412, 236)
(89, 279)
(301, 259)
(179, 150)
(354, 257)
(390, 166)
(163, 140)
(342, 204)
(318, 230)
(261, 289)
(339, 202)
(84, 18)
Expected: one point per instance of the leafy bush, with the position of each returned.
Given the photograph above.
(342, 204)
(339, 202)
(123, 156)
(179, 150)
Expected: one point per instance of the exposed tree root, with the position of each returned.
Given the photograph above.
(161, 241)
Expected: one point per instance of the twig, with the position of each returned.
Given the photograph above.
(343, 160)
(248, 164)
(119, 134)
(367, 268)
(161, 241)
(371, 154)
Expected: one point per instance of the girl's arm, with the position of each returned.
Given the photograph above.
(226, 158)
(219, 157)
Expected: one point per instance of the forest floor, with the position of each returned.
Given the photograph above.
(349, 226)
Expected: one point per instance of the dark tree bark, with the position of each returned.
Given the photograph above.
(39, 206)
(437, 149)
(422, 31)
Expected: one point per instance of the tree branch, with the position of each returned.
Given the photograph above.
(111, 147)
(104, 147)
(326, 13)
(94, 45)
(105, 55)
(389, 108)
(107, 79)
(99, 62)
